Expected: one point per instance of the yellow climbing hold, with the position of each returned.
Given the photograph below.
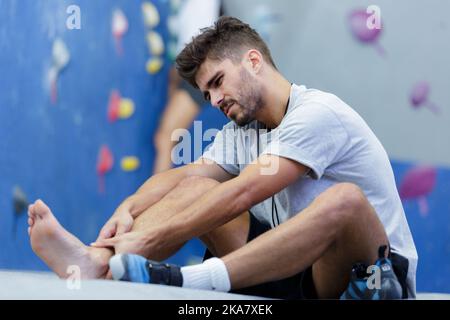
(129, 163)
(154, 65)
(151, 14)
(155, 43)
(126, 108)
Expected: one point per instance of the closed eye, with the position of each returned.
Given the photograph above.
(218, 82)
(215, 82)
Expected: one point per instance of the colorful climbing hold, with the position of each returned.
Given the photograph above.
(130, 163)
(118, 107)
(358, 21)
(60, 59)
(154, 65)
(151, 14)
(155, 43)
(119, 28)
(20, 201)
(417, 184)
(419, 97)
(105, 162)
(20, 205)
(114, 105)
(126, 108)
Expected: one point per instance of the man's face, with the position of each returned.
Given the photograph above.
(232, 88)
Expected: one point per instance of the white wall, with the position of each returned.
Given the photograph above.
(312, 45)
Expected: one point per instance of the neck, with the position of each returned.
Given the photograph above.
(277, 92)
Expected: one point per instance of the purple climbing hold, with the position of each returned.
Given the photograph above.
(417, 184)
(358, 20)
(419, 97)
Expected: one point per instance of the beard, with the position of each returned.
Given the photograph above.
(250, 99)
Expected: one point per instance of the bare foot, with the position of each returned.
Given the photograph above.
(59, 249)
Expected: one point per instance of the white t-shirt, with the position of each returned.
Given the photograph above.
(323, 133)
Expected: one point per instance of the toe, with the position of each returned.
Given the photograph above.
(29, 231)
(30, 222)
(41, 209)
(31, 210)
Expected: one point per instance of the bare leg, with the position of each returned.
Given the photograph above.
(180, 111)
(59, 249)
(338, 229)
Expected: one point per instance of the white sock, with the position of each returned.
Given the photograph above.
(210, 275)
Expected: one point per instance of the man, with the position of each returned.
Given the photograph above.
(286, 211)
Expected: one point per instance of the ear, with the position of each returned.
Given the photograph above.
(254, 60)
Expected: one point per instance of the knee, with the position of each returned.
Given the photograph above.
(347, 200)
(196, 181)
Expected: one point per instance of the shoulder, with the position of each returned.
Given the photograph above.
(312, 107)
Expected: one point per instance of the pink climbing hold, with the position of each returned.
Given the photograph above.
(358, 21)
(105, 163)
(114, 106)
(419, 97)
(417, 184)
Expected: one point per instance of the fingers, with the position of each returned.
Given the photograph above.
(108, 231)
(121, 229)
(105, 243)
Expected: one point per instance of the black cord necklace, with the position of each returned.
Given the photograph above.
(274, 204)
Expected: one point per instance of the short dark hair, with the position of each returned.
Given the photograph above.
(227, 38)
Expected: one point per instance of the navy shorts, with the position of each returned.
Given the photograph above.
(301, 285)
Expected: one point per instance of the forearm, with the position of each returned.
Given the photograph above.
(220, 205)
(154, 189)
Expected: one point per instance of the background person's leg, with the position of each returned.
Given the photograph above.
(338, 229)
(180, 112)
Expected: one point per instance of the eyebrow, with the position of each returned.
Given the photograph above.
(210, 82)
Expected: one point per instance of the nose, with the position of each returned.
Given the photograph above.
(216, 98)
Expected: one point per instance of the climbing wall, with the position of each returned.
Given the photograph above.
(78, 110)
(69, 98)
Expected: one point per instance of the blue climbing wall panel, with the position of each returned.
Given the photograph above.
(50, 149)
(430, 227)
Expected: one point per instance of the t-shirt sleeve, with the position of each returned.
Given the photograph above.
(312, 135)
(223, 150)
